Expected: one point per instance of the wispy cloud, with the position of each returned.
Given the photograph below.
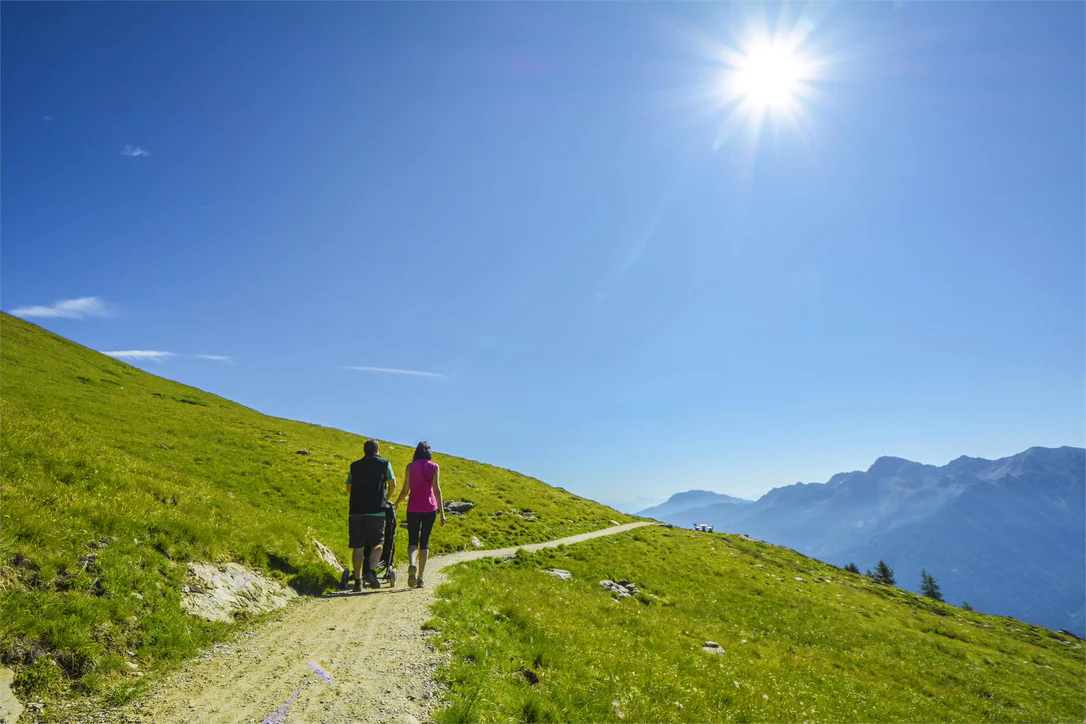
(394, 371)
(148, 355)
(47, 118)
(215, 357)
(632, 256)
(133, 151)
(80, 308)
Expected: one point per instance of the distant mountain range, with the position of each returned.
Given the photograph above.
(1008, 535)
(691, 500)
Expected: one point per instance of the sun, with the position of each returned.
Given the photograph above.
(769, 76)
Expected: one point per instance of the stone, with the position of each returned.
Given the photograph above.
(476, 542)
(232, 589)
(10, 707)
(615, 588)
(301, 452)
(622, 589)
(327, 555)
(713, 648)
(458, 506)
(559, 573)
(615, 522)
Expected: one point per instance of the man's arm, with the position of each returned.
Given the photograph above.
(390, 478)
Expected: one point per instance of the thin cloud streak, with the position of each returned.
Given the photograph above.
(215, 357)
(631, 257)
(80, 308)
(148, 355)
(393, 371)
(133, 151)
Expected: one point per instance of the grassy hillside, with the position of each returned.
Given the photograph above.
(112, 478)
(839, 649)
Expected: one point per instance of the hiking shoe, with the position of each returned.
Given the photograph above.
(412, 579)
(357, 586)
(371, 580)
(419, 583)
(345, 579)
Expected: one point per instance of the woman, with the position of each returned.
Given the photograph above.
(422, 481)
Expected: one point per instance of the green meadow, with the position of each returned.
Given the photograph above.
(113, 478)
(799, 641)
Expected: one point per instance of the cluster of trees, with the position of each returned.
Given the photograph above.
(885, 574)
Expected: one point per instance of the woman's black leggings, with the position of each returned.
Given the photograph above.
(419, 526)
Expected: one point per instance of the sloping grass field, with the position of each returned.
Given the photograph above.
(113, 478)
(801, 641)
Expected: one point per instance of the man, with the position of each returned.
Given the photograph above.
(370, 483)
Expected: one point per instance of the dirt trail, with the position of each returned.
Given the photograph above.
(368, 644)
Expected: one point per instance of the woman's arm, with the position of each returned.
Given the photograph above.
(406, 486)
(437, 493)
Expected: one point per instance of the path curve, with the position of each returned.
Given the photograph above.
(369, 644)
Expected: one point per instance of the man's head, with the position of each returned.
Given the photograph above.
(371, 447)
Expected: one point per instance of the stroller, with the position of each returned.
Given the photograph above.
(385, 569)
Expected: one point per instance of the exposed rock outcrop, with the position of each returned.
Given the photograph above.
(327, 555)
(223, 592)
(10, 707)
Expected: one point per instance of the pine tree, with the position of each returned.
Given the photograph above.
(929, 586)
(884, 574)
(851, 567)
(966, 606)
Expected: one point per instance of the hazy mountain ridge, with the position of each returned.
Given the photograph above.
(692, 500)
(1006, 535)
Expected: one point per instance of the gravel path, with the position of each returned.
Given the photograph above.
(343, 657)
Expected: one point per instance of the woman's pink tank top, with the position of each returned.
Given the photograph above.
(421, 498)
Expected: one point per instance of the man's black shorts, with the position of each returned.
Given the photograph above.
(366, 530)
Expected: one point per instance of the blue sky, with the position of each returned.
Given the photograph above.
(618, 281)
